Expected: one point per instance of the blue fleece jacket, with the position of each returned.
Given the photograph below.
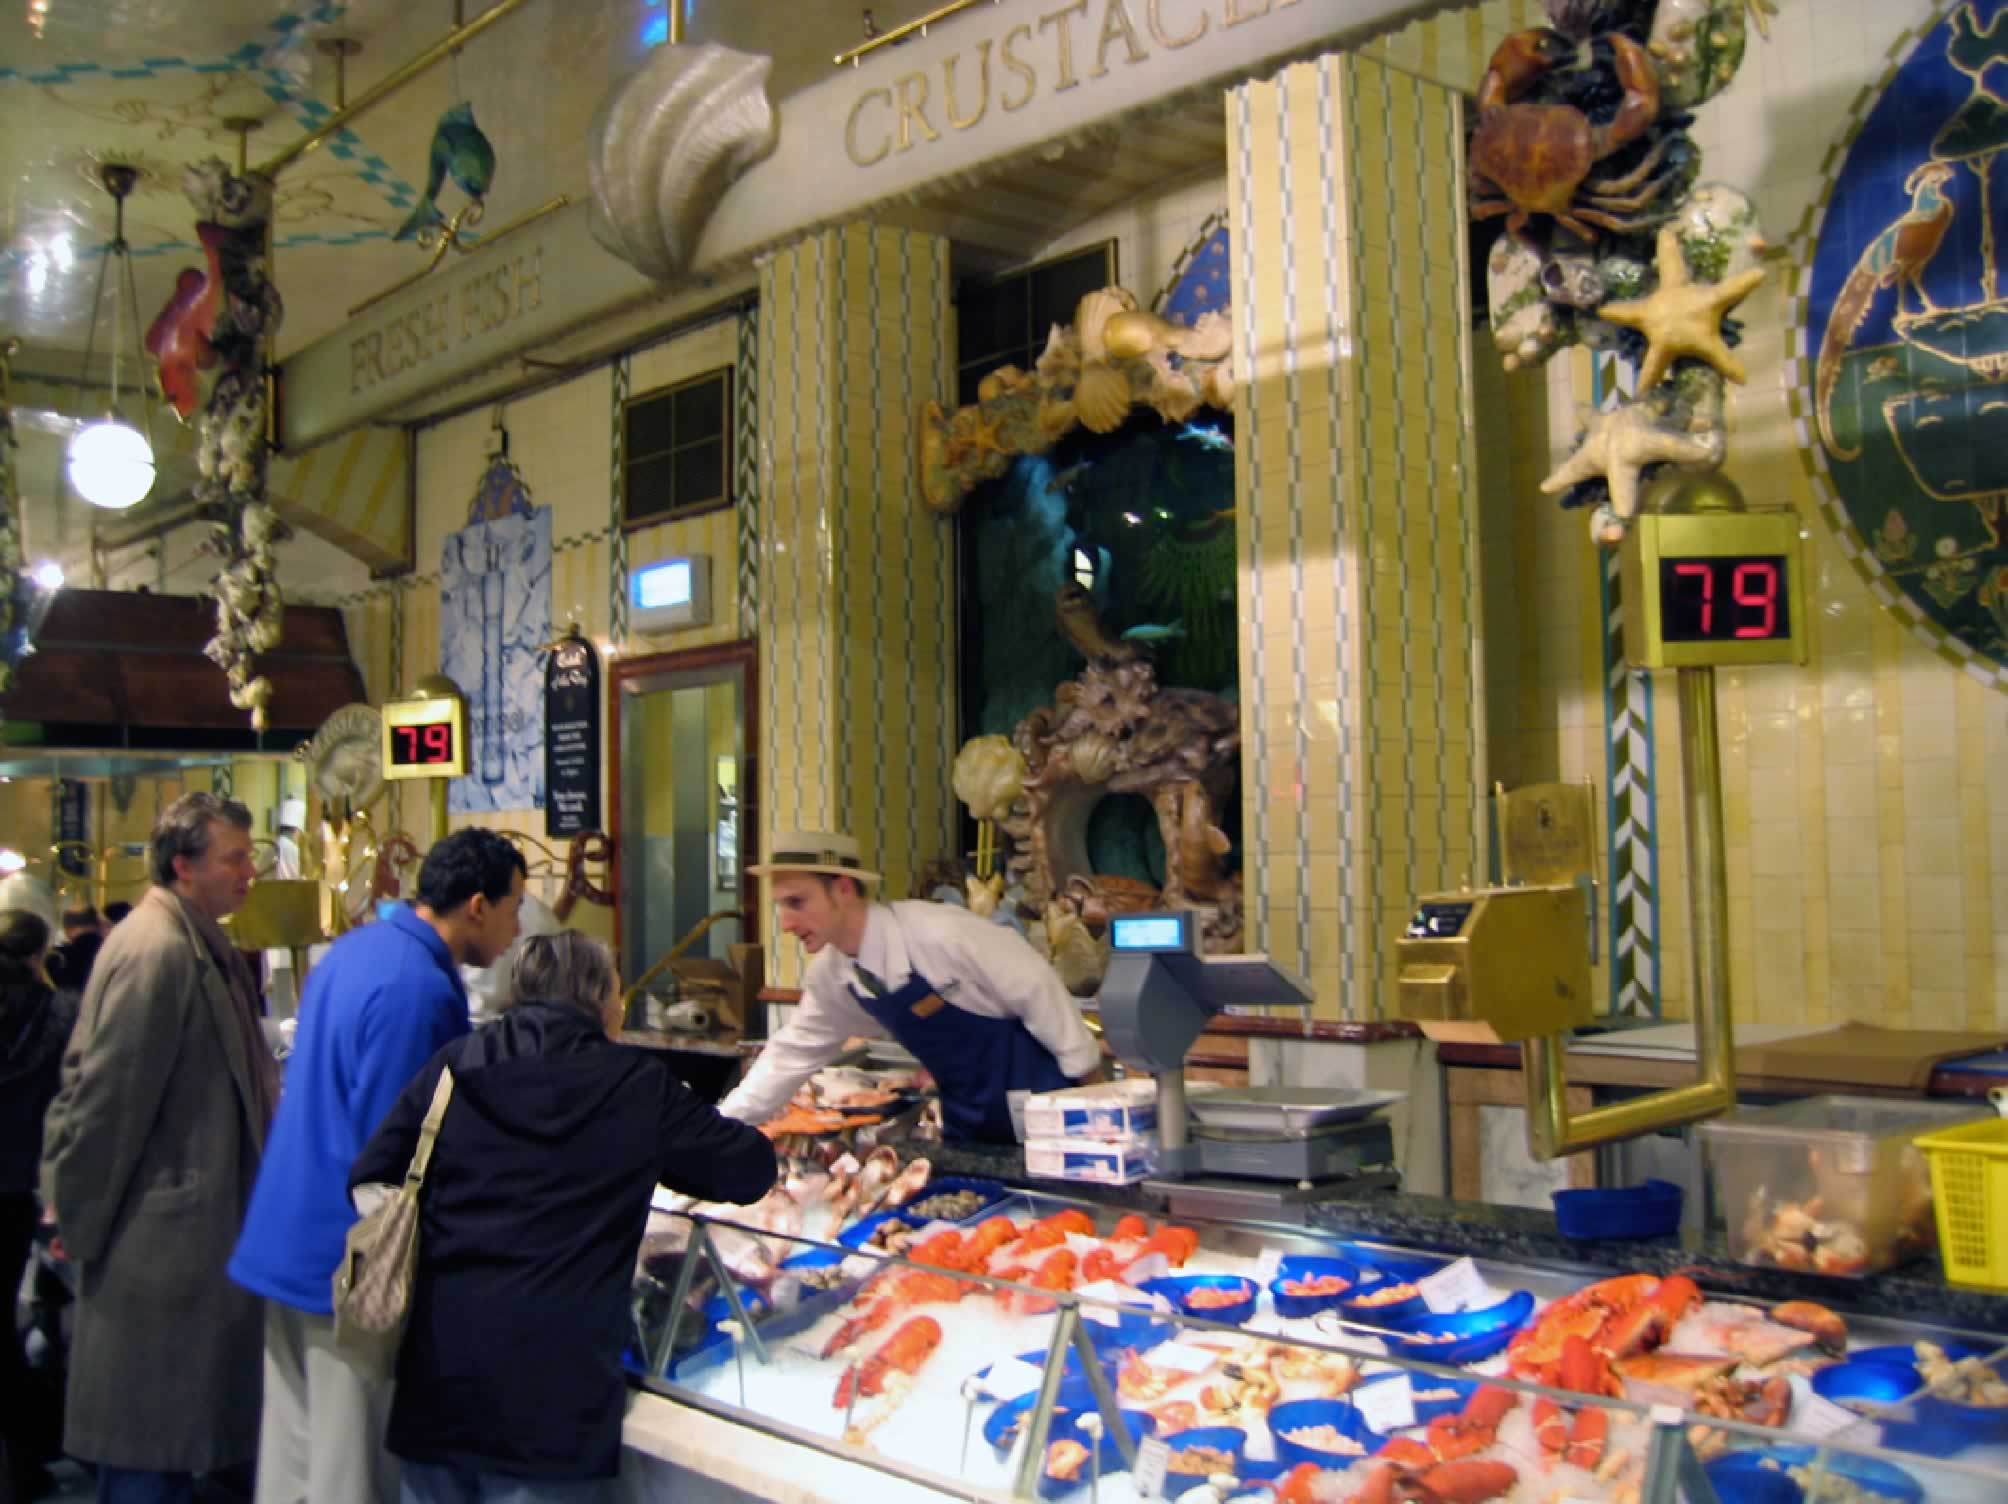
(380, 1004)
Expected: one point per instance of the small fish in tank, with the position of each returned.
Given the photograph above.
(1149, 632)
(1205, 437)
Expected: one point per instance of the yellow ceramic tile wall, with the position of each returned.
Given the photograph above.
(857, 601)
(1355, 469)
(1866, 796)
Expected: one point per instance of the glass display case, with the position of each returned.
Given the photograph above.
(997, 1343)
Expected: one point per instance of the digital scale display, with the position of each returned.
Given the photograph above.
(1438, 921)
(1730, 598)
(1152, 933)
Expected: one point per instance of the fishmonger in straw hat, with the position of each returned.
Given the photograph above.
(973, 1002)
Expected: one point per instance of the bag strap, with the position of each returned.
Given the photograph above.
(422, 1155)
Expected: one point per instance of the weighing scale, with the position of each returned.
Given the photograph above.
(1255, 1153)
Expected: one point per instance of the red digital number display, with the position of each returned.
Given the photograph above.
(422, 746)
(1724, 599)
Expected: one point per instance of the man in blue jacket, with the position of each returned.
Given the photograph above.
(381, 1003)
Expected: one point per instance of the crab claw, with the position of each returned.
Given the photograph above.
(1821, 1324)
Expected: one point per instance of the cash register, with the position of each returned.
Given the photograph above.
(1249, 1152)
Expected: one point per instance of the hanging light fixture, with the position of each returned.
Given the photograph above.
(110, 462)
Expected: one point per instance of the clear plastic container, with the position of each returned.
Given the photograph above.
(1831, 1185)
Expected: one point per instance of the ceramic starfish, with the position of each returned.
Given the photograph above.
(1619, 445)
(1683, 317)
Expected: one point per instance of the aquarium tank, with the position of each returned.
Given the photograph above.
(1143, 518)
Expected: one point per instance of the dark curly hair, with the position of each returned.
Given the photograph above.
(465, 863)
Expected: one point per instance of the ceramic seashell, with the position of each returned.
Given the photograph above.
(1059, 362)
(1001, 382)
(988, 776)
(1057, 418)
(1091, 317)
(1102, 397)
(1094, 758)
(1217, 386)
(668, 142)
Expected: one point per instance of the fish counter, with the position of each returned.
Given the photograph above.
(969, 1334)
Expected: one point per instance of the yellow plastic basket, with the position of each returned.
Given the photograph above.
(1969, 1188)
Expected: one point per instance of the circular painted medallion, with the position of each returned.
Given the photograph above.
(1903, 392)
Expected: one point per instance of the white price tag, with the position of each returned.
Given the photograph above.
(1814, 1415)
(1155, 1266)
(1114, 1292)
(1153, 1457)
(1455, 1287)
(1267, 1266)
(1181, 1357)
(1388, 1404)
(848, 1165)
(1009, 1378)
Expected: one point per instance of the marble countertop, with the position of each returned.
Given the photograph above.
(1916, 1291)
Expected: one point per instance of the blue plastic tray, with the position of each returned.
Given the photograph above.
(1229, 1439)
(1651, 1210)
(1000, 1427)
(1295, 1415)
(1480, 1334)
(854, 1236)
(1744, 1478)
(1303, 1266)
(1178, 1289)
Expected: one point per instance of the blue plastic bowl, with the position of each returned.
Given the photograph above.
(1262, 1469)
(1743, 1477)
(1001, 1425)
(1890, 1384)
(1651, 1210)
(1479, 1334)
(1231, 1439)
(1295, 1415)
(1972, 1425)
(1133, 1327)
(1396, 1314)
(1306, 1267)
(1141, 1424)
(1178, 1290)
(1428, 1410)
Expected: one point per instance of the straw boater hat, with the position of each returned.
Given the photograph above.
(814, 851)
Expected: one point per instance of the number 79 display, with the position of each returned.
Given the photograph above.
(1713, 588)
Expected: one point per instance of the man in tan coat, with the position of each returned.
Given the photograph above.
(151, 1148)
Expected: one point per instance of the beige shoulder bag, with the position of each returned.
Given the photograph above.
(373, 1282)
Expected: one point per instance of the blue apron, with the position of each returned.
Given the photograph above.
(974, 1060)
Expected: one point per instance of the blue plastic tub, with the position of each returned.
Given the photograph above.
(1141, 1424)
(1134, 1327)
(1303, 1266)
(1479, 1334)
(1178, 1289)
(1295, 1415)
(1651, 1210)
(1393, 1315)
(1755, 1476)
(1965, 1425)
(1883, 1384)
(1000, 1427)
(1229, 1439)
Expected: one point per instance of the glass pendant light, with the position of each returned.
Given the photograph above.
(110, 462)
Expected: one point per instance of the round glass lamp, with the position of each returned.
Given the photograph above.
(111, 464)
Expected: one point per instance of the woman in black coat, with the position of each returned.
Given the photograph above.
(34, 1026)
(509, 1382)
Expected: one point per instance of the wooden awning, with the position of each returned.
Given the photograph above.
(116, 669)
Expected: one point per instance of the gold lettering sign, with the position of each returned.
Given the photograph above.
(489, 300)
(885, 120)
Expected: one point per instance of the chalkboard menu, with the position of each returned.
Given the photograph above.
(571, 739)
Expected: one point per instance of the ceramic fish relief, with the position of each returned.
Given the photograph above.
(460, 152)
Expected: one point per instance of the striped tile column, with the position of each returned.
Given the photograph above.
(857, 589)
(1362, 708)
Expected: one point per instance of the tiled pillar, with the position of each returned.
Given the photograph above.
(857, 577)
(1362, 707)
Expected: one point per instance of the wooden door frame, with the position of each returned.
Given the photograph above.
(745, 653)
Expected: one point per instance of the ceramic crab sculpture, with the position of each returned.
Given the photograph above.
(1530, 158)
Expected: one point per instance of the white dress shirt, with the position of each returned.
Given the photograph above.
(975, 964)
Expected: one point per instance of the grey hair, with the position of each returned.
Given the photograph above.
(567, 968)
(183, 830)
